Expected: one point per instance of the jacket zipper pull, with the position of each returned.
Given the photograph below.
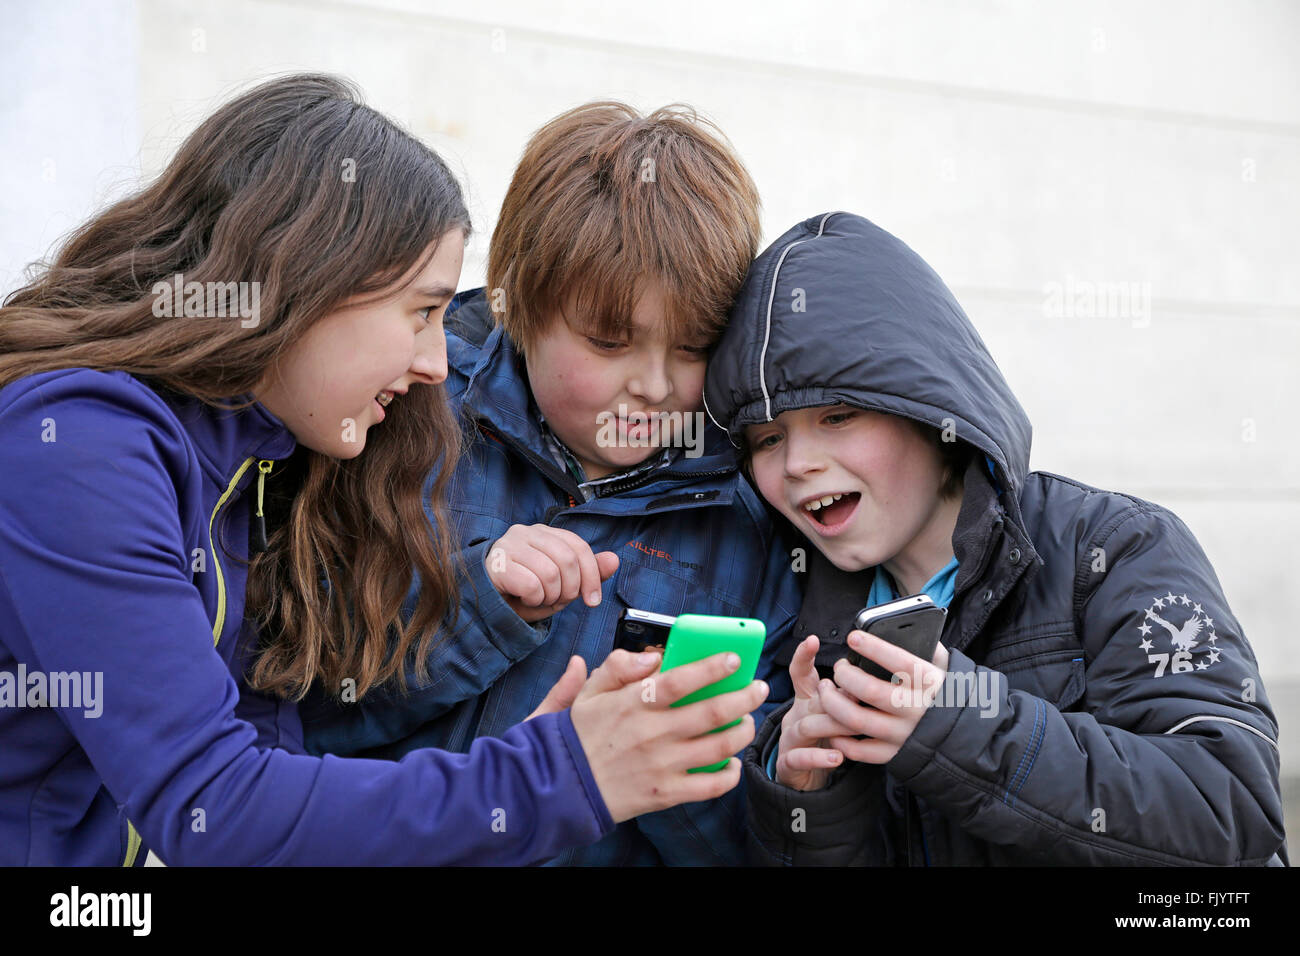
(259, 526)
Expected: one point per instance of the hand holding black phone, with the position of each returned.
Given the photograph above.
(913, 623)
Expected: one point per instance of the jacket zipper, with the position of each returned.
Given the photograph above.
(563, 480)
(263, 469)
(570, 487)
(639, 480)
(220, 622)
(132, 844)
(133, 839)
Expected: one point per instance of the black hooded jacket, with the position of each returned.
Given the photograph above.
(1113, 712)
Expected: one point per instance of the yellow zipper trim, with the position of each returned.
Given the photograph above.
(221, 579)
(264, 467)
(132, 844)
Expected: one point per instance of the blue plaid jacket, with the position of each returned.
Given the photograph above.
(692, 537)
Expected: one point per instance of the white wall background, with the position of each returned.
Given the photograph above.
(1018, 146)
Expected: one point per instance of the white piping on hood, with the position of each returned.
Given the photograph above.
(709, 412)
(767, 332)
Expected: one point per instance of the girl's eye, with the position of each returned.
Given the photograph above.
(424, 313)
(604, 345)
(765, 442)
(696, 351)
(837, 418)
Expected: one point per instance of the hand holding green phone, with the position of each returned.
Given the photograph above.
(696, 636)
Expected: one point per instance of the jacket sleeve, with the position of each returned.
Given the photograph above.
(838, 825)
(717, 826)
(94, 577)
(1172, 758)
(466, 659)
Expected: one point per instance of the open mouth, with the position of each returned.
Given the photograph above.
(832, 511)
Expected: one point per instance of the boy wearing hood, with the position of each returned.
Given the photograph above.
(1092, 701)
(591, 481)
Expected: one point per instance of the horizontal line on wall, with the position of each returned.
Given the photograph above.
(821, 74)
(1164, 494)
(1201, 307)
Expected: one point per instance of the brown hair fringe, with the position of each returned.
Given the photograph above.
(604, 200)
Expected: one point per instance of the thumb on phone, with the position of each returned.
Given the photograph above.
(620, 669)
(565, 691)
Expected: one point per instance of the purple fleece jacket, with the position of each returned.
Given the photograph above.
(123, 527)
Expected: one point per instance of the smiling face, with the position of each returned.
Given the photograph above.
(332, 385)
(580, 380)
(863, 486)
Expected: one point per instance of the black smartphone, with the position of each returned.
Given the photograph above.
(639, 631)
(913, 623)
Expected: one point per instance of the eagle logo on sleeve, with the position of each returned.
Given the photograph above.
(1179, 649)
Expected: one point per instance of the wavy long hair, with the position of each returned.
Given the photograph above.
(298, 185)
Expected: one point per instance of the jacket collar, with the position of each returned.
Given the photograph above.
(993, 552)
(497, 397)
(225, 438)
(497, 394)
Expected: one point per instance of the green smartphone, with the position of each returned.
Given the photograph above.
(694, 637)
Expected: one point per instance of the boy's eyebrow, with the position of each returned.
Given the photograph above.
(586, 325)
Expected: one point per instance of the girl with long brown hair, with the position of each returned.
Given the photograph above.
(261, 325)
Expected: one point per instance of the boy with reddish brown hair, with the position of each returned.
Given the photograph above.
(604, 199)
(591, 469)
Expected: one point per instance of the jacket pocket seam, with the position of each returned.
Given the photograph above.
(1037, 632)
(1030, 661)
